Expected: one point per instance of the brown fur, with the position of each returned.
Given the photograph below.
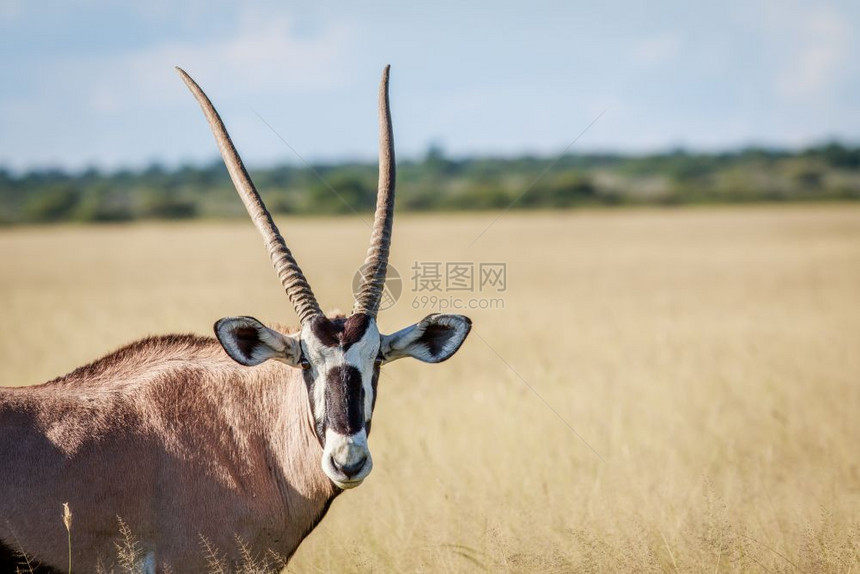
(175, 438)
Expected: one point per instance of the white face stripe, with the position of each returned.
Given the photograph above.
(361, 355)
(319, 399)
(345, 458)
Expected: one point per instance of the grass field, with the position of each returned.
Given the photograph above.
(708, 360)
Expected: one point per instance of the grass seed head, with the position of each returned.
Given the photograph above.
(67, 516)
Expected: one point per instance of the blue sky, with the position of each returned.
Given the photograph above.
(92, 83)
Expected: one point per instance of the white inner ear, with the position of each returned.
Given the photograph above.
(271, 344)
(287, 348)
(394, 345)
(409, 342)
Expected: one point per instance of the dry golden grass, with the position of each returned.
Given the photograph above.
(710, 356)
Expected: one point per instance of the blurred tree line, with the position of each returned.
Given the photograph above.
(440, 183)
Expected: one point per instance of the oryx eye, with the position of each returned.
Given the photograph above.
(305, 364)
(378, 361)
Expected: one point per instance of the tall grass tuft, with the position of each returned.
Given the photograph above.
(129, 551)
(24, 561)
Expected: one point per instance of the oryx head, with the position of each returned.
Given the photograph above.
(340, 357)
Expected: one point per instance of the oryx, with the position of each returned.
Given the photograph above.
(251, 434)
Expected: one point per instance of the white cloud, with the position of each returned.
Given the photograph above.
(822, 40)
(261, 56)
(88, 107)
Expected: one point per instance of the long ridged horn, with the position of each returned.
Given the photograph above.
(376, 264)
(291, 276)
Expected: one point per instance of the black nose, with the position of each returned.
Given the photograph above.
(350, 470)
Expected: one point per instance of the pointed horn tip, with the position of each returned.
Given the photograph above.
(189, 81)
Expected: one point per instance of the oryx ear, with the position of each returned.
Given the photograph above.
(434, 339)
(250, 343)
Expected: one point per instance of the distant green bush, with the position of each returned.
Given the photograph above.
(564, 190)
(437, 182)
(341, 193)
(161, 207)
(95, 209)
(52, 204)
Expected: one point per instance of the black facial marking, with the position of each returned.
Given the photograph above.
(354, 330)
(327, 330)
(344, 400)
(373, 384)
(340, 332)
